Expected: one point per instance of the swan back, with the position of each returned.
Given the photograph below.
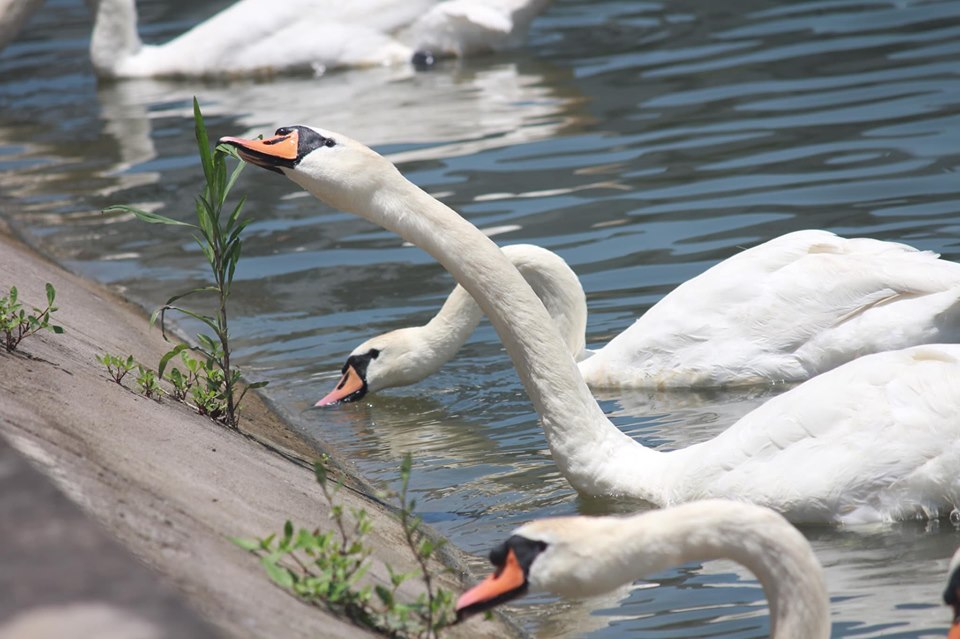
(813, 301)
(263, 37)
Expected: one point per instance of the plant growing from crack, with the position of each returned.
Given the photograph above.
(327, 567)
(117, 367)
(218, 235)
(148, 384)
(16, 324)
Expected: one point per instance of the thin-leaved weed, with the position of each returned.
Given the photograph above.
(218, 235)
(147, 383)
(16, 323)
(326, 567)
(117, 367)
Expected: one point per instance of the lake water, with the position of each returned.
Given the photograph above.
(642, 141)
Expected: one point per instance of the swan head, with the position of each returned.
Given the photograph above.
(512, 561)
(951, 595)
(573, 557)
(397, 358)
(334, 168)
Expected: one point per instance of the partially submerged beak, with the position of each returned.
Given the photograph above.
(503, 585)
(280, 150)
(350, 387)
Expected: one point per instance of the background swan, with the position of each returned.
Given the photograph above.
(586, 556)
(875, 439)
(408, 355)
(814, 301)
(13, 14)
(256, 37)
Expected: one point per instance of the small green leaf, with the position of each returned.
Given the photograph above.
(147, 216)
(173, 352)
(203, 142)
(280, 575)
(56, 329)
(51, 293)
(251, 545)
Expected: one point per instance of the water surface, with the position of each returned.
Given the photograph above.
(642, 141)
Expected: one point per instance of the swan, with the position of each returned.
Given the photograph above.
(875, 439)
(13, 15)
(951, 595)
(262, 37)
(815, 301)
(408, 355)
(579, 557)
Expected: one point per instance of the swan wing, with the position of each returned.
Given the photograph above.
(876, 439)
(786, 310)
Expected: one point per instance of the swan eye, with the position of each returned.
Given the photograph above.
(284, 130)
(329, 142)
(374, 353)
(526, 550)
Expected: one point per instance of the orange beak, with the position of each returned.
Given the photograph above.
(280, 150)
(503, 585)
(954, 630)
(350, 383)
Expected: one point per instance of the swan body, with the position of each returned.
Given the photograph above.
(13, 15)
(586, 556)
(875, 439)
(785, 310)
(408, 355)
(815, 301)
(263, 37)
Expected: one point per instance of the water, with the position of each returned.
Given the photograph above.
(641, 141)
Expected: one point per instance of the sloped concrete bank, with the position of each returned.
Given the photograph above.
(168, 485)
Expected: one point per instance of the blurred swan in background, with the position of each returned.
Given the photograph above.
(876, 439)
(580, 557)
(264, 37)
(13, 14)
(782, 311)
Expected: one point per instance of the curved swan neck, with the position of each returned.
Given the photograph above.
(452, 325)
(581, 438)
(114, 36)
(623, 549)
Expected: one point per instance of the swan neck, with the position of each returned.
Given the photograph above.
(453, 324)
(579, 435)
(755, 537)
(114, 36)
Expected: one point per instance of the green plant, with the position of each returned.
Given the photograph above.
(16, 324)
(183, 382)
(147, 383)
(326, 568)
(117, 367)
(208, 395)
(218, 236)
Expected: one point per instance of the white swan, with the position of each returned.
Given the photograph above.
(586, 556)
(408, 355)
(814, 301)
(951, 594)
(13, 15)
(261, 37)
(875, 439)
